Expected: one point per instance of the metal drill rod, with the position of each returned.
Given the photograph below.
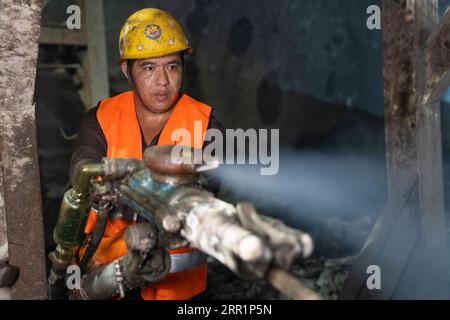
(290, 286)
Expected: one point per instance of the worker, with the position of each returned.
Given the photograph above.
(152, 47)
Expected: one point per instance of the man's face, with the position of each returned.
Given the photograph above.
(157, 81)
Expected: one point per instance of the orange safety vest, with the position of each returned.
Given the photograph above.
(118, 120)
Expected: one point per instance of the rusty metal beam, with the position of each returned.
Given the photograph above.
(400, 80)
(431, 63)
(19, 31)
(409, 243)
(437, 61)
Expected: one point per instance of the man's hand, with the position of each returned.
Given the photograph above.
(145, 262)
(154, 269)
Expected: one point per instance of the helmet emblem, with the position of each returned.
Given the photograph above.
(153, 31)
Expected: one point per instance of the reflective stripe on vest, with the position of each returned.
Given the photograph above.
(118, 120)
(186, 261)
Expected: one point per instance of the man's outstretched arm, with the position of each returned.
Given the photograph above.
(90, 145)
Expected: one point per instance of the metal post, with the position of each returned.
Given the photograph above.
(20, 195)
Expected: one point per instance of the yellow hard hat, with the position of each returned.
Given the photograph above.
(150, 33)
